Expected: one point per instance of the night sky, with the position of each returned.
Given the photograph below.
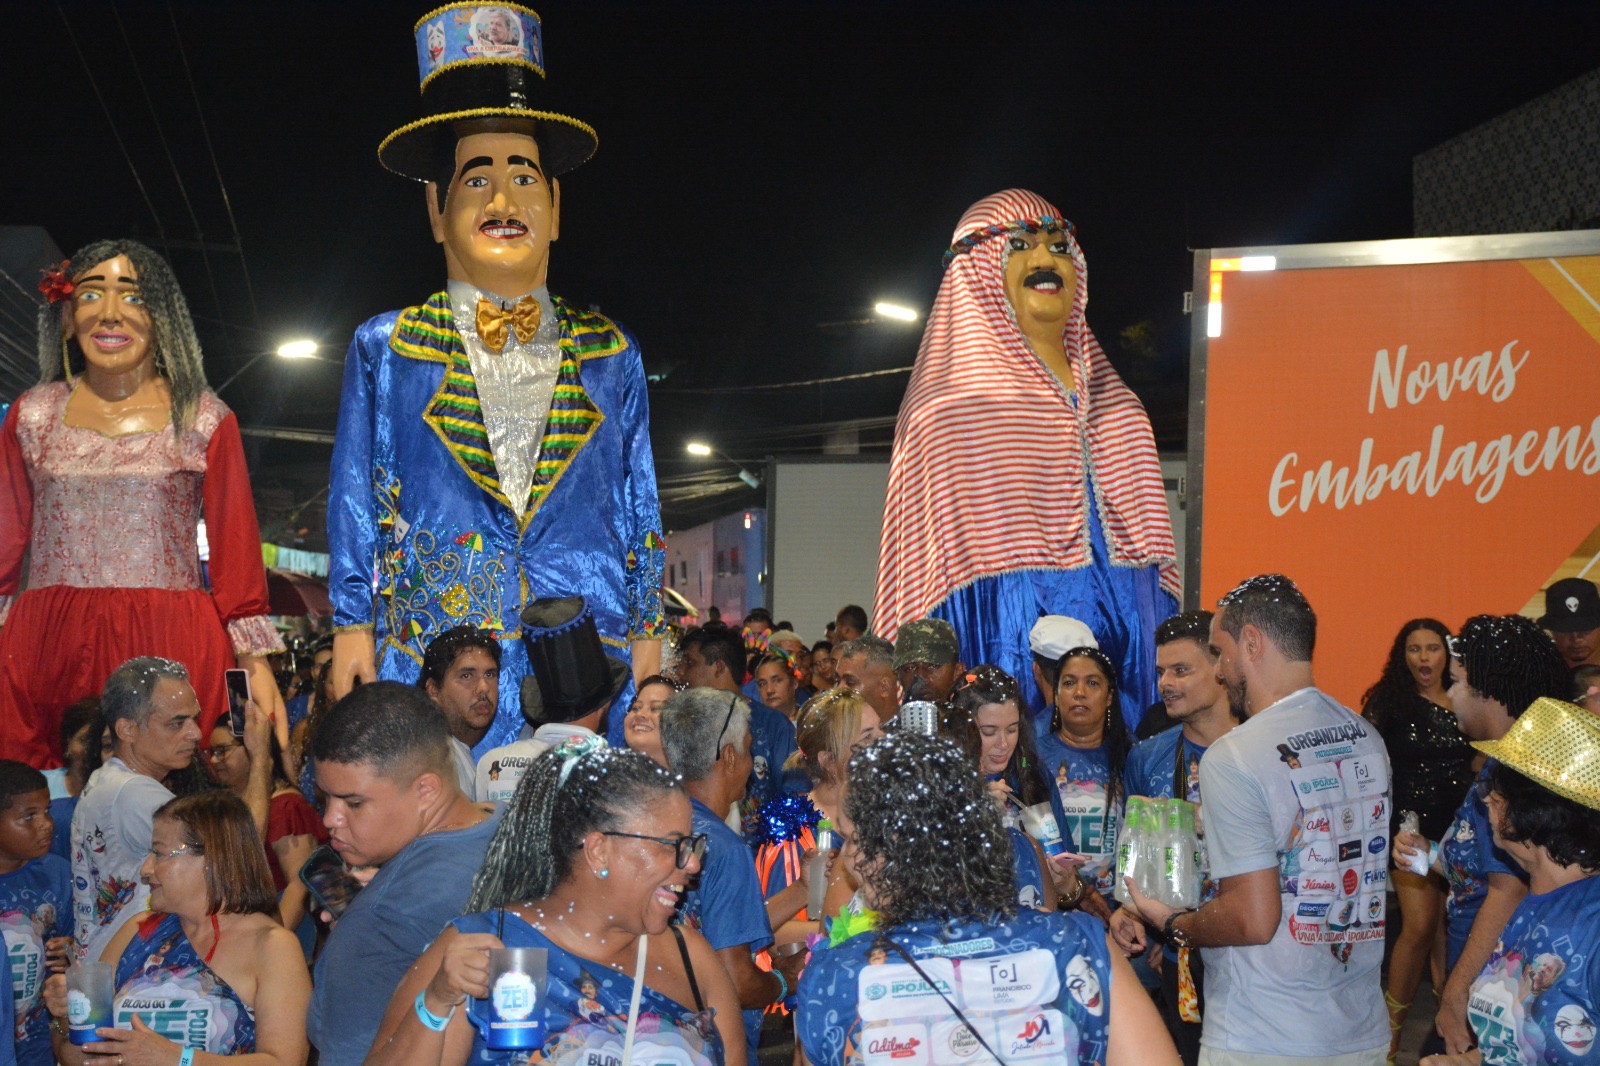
(764, 169)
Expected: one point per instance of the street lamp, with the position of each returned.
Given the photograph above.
(897, 312)
(702, 450)
(295, 349)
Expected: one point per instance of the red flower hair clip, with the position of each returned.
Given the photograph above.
(55, 284)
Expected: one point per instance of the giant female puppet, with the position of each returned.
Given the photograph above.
(109, 465)
(1025, 479)
(493, 443)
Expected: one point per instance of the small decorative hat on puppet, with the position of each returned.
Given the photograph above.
(482, 61)
(572, 675)
(1554, 744)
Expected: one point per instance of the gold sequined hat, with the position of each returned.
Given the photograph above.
(482, 61)
(1555, 744)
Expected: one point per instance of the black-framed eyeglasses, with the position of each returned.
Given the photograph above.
(220, 751)
(692, 846)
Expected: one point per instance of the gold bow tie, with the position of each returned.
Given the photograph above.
(493, 319)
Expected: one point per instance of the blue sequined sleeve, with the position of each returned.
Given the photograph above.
(352, 501)
(647, 555)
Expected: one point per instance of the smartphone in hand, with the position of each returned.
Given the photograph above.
(238, 685)
(329, 881)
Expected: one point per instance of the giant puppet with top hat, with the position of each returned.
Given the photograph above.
(493, 443)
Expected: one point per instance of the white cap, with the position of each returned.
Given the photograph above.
(1055, 634)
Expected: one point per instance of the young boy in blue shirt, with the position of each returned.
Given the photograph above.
(35, 905)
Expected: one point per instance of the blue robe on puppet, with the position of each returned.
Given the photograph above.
(416, 505)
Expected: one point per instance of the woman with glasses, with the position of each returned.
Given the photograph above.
(641, 728)
(294, 828)
(589, 861)
(953, 965)
(1537, 998)
(1498, 662)
(210, 969)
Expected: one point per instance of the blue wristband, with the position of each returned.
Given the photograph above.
(425, 1016)
(783, 987)
(187, 1057)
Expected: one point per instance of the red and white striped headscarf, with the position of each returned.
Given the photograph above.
(990, 457)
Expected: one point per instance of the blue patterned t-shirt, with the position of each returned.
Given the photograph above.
(35, 905)
(585, 1010)
(1537, 999)
(1079, 780)
(1036, 985)
(162, 979)
(1469, 855)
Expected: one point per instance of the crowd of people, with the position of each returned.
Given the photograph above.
(837, 867)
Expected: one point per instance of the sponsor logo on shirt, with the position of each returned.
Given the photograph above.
(1343, 733)
(1011, 982)
(1316, 856)
(1034, 1035)
(1377, 845)
(1349, 849)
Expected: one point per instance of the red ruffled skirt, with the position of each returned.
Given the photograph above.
(61, 643)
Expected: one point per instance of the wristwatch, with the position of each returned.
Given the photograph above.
(1173, 935)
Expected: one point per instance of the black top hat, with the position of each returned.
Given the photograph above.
(1571, 605)
(482, 61)
(572, 674)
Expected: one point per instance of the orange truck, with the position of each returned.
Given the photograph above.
(1406, 428)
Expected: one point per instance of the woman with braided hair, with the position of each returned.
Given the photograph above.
(953, 964)
(589, 861)
(106, 468)
(1501, 664)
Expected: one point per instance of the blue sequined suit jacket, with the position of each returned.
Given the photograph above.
(416, 506)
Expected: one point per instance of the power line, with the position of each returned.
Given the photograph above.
(205, 135)
(83, 61)
(177, 176)
(29, 296)
(785, 384)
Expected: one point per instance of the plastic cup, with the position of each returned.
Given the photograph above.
(1039, 822)
(512, 1018)
(89, 992)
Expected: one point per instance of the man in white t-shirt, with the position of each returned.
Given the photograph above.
(572, 684)
(154, 718)
(1297, 826)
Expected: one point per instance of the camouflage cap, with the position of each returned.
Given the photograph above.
(926, 640)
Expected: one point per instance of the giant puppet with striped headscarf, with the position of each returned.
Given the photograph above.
(1025, 480)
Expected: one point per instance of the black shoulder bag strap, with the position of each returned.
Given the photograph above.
(688, 967)
(947, 1000)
